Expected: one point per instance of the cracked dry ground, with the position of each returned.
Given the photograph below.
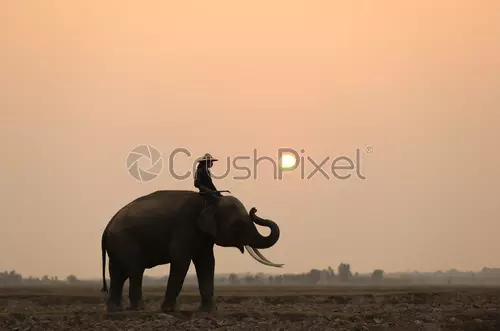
(252, 308)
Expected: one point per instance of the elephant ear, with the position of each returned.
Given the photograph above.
(208, 223)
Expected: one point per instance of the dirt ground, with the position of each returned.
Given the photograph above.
(261, 308)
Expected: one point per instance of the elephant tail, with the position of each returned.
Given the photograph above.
(103, 248)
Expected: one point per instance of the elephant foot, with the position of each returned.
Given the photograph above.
(169, 307)
(207, 307)
(112, 307)
(136, 306)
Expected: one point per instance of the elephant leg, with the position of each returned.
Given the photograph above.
(118, 276)
(178, 272)
(204, 262)
(135, 290)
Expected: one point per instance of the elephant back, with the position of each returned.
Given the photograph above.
(157, 207)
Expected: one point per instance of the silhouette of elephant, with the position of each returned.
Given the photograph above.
(172, 226)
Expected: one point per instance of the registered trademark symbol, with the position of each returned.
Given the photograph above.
(369, 149)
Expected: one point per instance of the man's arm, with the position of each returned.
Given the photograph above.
(201, 187)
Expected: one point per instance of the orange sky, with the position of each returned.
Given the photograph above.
(82, 83)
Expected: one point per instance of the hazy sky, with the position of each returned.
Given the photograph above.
(82, 83)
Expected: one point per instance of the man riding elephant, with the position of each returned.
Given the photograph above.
(203, 180)
(175, 227)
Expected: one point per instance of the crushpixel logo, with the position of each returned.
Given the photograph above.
(144, 163)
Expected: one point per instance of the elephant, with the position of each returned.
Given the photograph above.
(173, 227)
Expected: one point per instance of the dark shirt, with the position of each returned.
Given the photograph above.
(203, 178)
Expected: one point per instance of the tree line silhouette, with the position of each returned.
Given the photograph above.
(12, 278)
(343, 275)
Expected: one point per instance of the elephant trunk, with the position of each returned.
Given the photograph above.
(260, 241)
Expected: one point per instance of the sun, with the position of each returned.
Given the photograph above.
(288, 162)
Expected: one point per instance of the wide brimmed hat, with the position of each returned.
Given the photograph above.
(206, 157)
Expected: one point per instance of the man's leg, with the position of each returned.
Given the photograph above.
(210, 201)
(212, 198)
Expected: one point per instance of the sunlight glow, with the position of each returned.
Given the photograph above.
(288, 162)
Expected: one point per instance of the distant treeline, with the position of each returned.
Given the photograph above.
(328, 276)
(12, 278)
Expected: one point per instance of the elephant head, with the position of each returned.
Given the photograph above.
(230, 225)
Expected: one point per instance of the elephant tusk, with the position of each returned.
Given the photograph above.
(262, 260)
(260, 255)
(255, 256)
